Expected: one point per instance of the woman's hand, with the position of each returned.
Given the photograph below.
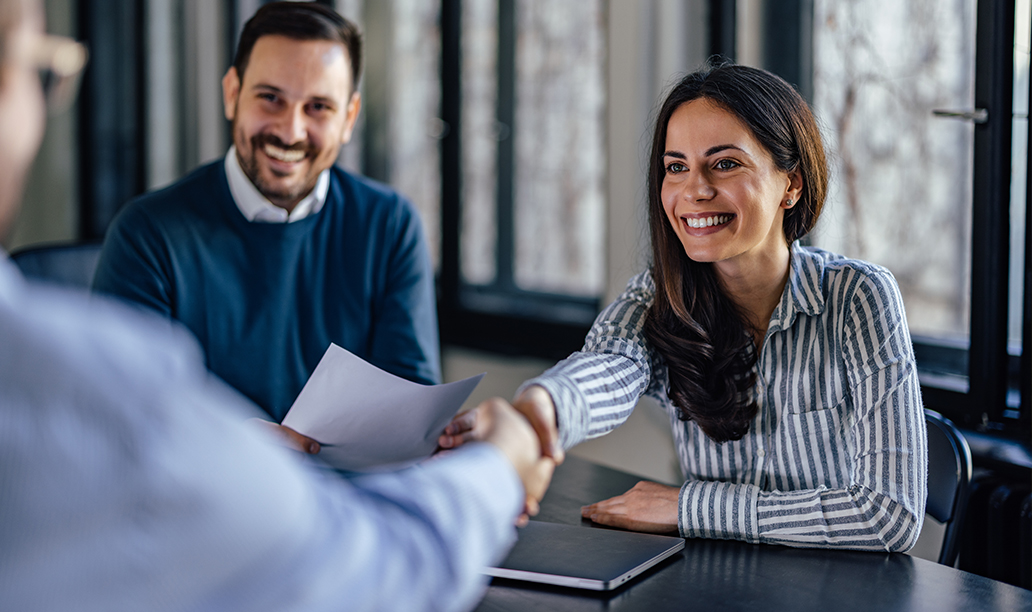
(534, 403)
(496, 422)
(648, 507)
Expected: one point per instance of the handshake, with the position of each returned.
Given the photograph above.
(525, 431)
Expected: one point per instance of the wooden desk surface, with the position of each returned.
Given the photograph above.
(725, 575)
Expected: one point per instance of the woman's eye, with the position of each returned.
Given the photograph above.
(675, 168)
(726, 164)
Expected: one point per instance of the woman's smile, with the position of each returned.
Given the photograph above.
(723, 195)
(704, 224)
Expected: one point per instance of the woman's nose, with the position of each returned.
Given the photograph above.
(697, 187)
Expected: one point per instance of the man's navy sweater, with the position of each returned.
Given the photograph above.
(267, 299)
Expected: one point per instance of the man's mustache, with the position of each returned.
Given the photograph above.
(260, 140)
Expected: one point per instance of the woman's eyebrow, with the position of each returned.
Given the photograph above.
(718, 148)
(710, 151)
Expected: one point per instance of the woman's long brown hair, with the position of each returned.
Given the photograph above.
(697, 330)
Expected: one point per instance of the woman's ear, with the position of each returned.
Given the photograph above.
(794, 189)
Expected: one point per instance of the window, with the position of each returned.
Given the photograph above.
(489, 115)
(901, 189)
(523, 169)
(924, 107)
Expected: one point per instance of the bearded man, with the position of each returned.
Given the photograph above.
(272, 253)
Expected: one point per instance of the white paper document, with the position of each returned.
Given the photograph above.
(366, 418)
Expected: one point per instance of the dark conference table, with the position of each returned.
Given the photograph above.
(726, 575)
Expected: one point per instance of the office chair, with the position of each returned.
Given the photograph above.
(949, 471)
(69, 264)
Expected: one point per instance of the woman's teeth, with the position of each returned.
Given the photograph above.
(708, 221)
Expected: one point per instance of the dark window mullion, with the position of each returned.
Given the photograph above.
(990, 228)
(111, 141)
(1026, 319)
(451, 157)
(506, 115)
(723, 25)
(788, 45)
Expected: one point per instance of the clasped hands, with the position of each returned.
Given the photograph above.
(527, 434)
(648, 506)
(525, 431)
(494, 421)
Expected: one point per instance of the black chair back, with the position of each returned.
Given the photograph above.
(949, 471)
(66, 264)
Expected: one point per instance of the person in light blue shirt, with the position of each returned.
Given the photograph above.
(129, 480)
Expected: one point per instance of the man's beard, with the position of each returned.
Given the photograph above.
(275, 194)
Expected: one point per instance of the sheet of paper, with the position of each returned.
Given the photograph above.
(366, 418)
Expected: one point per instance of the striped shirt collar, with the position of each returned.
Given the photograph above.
(257, 208)
(804, 292)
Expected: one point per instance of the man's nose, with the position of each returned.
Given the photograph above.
(292, 126)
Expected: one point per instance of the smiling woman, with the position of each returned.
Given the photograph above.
(787, 372)
(717, 151)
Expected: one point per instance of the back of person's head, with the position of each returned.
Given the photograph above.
(300, 21)
(11, 14)
(776, 115)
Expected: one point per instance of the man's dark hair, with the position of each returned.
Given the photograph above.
(300, 21)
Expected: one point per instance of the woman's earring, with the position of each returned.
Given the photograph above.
(788, 203)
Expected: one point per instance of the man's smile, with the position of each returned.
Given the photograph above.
(289, 156)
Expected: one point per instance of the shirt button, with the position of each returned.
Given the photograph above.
(760, 453)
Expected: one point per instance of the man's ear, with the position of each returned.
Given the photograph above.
(351, 117)
(230, 92)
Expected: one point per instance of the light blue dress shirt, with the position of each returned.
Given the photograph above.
(128, 481)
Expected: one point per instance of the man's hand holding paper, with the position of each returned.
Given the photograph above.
(288, 437)
(364, 418)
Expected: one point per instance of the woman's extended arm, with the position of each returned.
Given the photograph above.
(596, 389)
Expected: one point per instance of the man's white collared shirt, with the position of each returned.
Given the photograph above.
(257, 208)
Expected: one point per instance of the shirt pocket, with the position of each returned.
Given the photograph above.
(820, 443)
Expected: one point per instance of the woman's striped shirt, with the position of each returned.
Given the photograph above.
(836, 455)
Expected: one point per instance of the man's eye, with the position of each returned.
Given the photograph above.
(268, 97)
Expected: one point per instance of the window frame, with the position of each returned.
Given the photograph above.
(974, 383)
(500, 317)
(112, 140)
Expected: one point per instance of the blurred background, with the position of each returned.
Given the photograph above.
(520, 129)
